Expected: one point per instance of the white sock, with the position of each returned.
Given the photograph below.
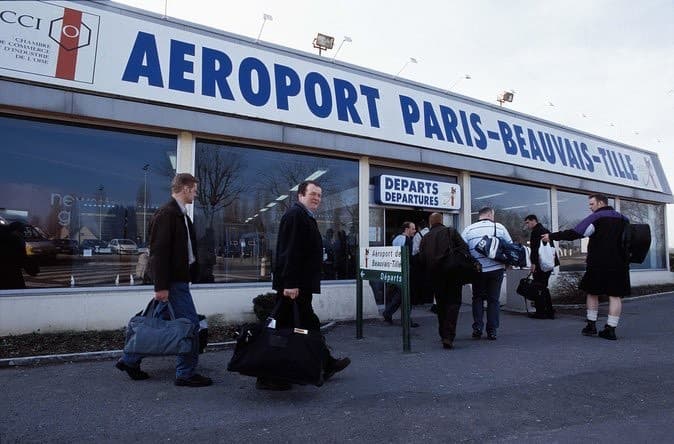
(613, 321)
(592, 315)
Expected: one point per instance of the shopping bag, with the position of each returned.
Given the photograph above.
(149, 334)
(291, 355)
(546, 256)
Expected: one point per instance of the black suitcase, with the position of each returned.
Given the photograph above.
(636, 242)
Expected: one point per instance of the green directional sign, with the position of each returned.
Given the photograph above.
(389, 277)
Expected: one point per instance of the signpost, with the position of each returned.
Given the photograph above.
(390, 265)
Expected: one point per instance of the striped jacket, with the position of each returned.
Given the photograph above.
(474, 232)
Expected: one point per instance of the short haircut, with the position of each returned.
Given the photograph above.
(599, 198)
(182, 180)
(485, 211)
(406, 225)
(435, 218)
(531, 217)
(302, 188)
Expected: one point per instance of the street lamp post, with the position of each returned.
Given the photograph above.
(146, 167)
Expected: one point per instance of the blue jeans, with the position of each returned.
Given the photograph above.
(183, 307)
(487, 287)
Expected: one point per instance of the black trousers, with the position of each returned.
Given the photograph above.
(448, 301)
(544, 302)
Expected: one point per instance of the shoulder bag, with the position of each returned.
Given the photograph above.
(460, 264)
(149, 334)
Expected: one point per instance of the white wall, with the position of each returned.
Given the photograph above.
(106, 309)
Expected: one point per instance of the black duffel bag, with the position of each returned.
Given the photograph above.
(529, 289)
(292, 355)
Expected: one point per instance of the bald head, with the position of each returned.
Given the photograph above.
(434, 219)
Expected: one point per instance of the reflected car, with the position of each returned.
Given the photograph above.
(38, 243)
(123, 246)
(66, 246)
(94, 245)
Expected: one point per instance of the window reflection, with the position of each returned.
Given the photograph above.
(244, 191)
(78, 188)
(512, 202)
(653, 215)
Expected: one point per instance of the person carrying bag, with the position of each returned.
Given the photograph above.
(150, 334)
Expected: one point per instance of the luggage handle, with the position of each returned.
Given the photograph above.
(153, 309)
(271, 320)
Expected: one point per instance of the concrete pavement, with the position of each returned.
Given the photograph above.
(541, 381)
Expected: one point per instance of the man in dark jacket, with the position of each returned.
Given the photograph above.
(297, 273)
(607, 269)
(435, 249)
(173, 263)
(544, 308)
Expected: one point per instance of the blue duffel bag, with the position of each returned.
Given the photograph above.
(149, 334)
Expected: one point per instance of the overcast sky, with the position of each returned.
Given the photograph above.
(601, 66)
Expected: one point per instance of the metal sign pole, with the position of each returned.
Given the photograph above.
(405, 309)
(359, 307)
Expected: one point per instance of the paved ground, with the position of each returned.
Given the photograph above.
(541, 381)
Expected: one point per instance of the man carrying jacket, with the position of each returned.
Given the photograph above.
(297, 274)
(607, 270)
(173, 262)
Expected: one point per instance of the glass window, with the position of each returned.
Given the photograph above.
(653, 215)
(87, 195)
(573, 208)
(512, 203)
(244, 191)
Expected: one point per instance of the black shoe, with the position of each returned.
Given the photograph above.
(590, 329)
(337, 366)
(270, 384)
(134, 373)
(388, 320)
(434, 309)
(477, 334)
(447, 344)
(608, 333)
(414, 324)
(491, 335)
(196, 380)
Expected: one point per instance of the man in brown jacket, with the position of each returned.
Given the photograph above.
(435, 249)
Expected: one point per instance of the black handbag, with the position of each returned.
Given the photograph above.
(291, 355)
(461, 265)
(529, 289)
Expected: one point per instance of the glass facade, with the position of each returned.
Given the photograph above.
(653, 215)
(244, 191)
(85, 193)
(512, 203)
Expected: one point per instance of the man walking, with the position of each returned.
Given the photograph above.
(297, 274)
(487, 286)
(435, 250)
(607, 270)
(173, 259)
(404, 239)
(544, 308)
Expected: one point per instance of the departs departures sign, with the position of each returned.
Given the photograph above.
(390, 265)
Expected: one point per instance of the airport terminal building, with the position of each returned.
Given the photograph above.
(101, 104)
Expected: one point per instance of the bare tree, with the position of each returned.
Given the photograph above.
(219, 182)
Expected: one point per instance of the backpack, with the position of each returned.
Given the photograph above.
(636, 241)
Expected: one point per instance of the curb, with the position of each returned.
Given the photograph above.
(108, 354)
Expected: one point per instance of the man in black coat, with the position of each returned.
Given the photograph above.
(435, 250)
(544, 308)
(297, 273)
(607, 270)
(173, 263)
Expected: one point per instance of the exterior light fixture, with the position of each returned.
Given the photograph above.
(411, 60)
(265, 17)
(346, 39)
(323, 42)
(456, 82)
(505, 96)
